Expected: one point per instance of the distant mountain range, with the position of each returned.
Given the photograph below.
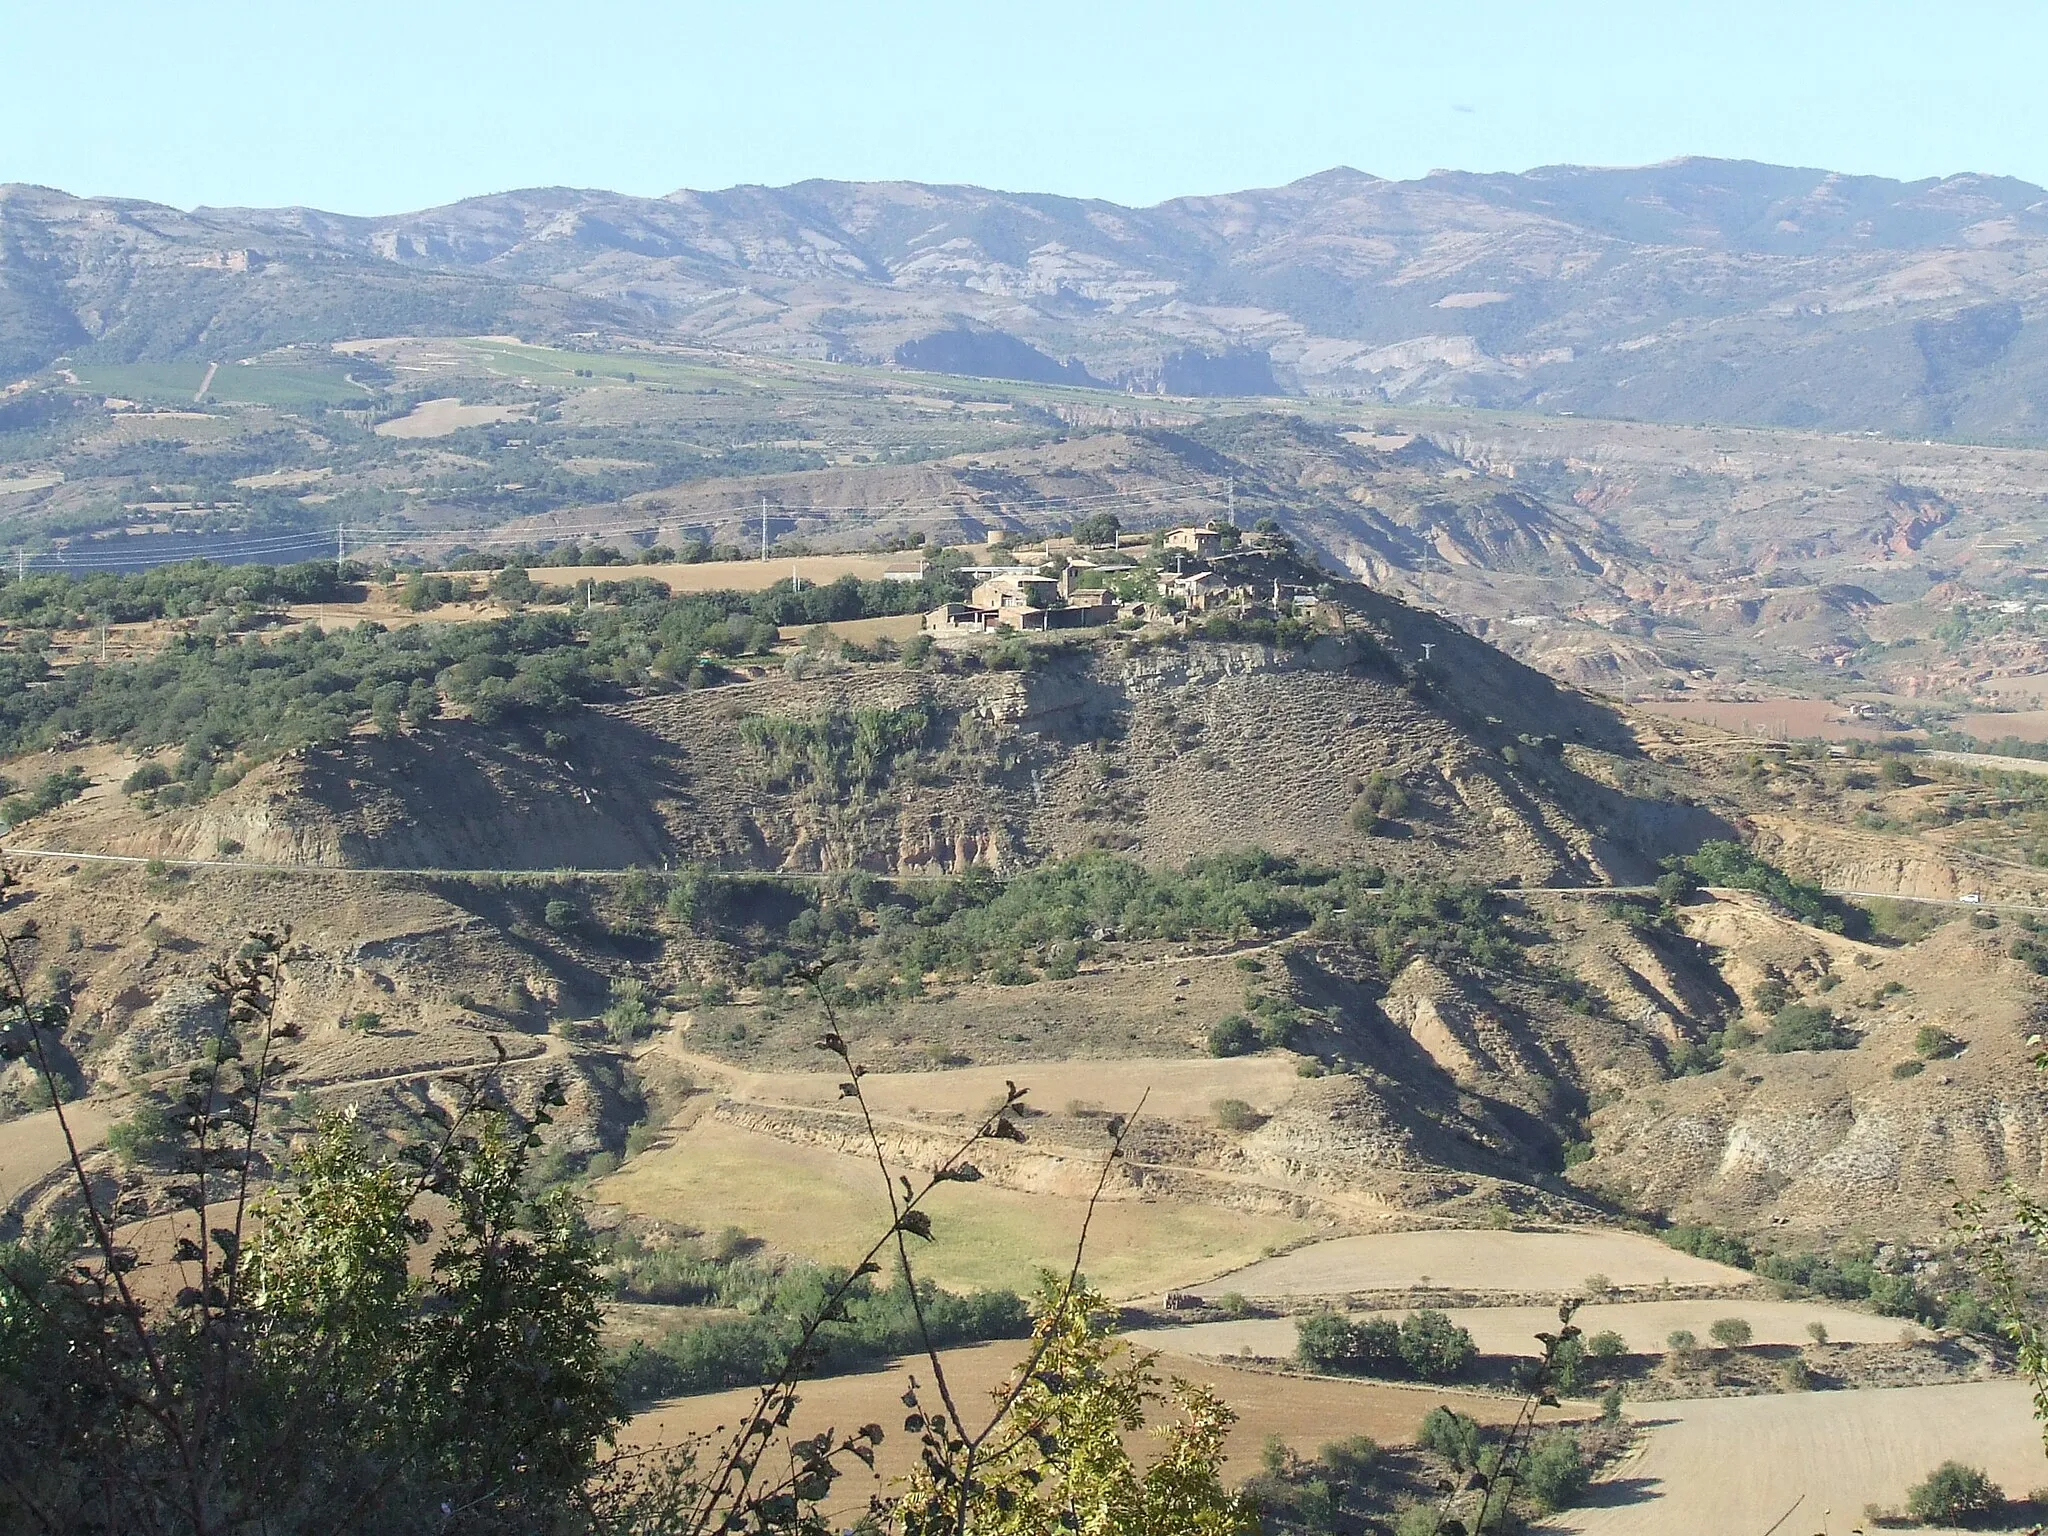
(1694, 290)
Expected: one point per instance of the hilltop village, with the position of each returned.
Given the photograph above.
(1084, 582)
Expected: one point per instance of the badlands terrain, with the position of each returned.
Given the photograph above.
(1584, 856)
(1480, 1059)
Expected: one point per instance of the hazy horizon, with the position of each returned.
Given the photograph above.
(388, 107)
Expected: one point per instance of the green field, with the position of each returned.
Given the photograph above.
(285, 384)
(150, 383)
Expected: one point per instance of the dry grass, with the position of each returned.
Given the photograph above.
(1476, 1261)
(859, 631)
(828, 1207)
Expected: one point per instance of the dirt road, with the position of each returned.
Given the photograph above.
(32, 1146)
(1736, 1464)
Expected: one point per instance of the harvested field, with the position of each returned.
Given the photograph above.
(32, 1145)
(1739, 1463)
(1643, 1326)
(1305, 1412)
(438, 418)
(2026, 724)
(1783, 719)
(1476, 1260)
(828, 1207)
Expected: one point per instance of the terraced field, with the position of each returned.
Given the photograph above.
(1558, 1261)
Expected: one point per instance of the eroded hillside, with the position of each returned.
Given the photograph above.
(1369, 910)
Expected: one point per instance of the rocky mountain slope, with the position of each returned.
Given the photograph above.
(1698, 288)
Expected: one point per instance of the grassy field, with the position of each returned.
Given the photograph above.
(1739, 1463)
(285, 384)
(1477, 1261)
(828, 1207)
(151, 383)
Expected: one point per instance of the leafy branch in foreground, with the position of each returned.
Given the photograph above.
(1496, 1478)
(305, 1373)
(294, 1376)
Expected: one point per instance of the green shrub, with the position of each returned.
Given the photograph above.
(1731, 865)
(1970, 1314)
(1234, 1035)
(149, 1135)
(1553, 1471)
(561, 915)
(51, 791)
(1806, 1027)
(1675, 887)
(1606, 1346)
(1330, 1341)
(1704, 1242)
(147, 776)
(877, 1322)
(1237, 1115)
(1383, 799)
(1454, 1436)
(1730, 1332)
(1351, 1460)
(1953, 1494)
(1933, 1043)
(1433, 1347)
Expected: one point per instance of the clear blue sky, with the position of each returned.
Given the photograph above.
(368, 106)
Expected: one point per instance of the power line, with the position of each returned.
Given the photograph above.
(112, 556)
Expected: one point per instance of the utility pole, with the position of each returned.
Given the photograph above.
(764, 527)
(340, 545)
(1233, 501)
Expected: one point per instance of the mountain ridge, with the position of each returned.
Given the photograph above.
(1695, 289)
